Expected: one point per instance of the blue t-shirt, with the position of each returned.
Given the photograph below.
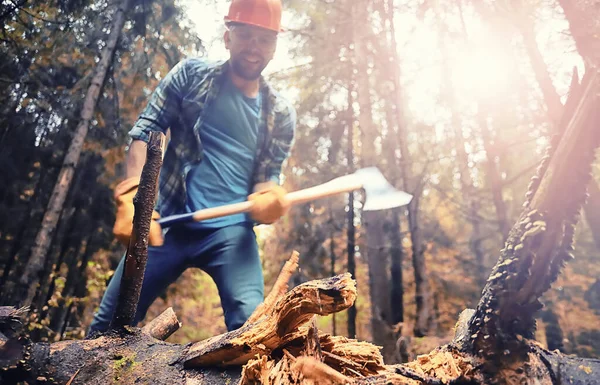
(229, 136)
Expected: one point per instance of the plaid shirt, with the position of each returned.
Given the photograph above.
(181, 101)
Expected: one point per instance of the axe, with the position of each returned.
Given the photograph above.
(380, 195)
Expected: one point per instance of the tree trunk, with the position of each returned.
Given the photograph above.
(58, 315)
(397, 255)
(332, 259)
(584, 25)
(541, 242)
(137, 250)
(554, 106)
(592, 210)
(28, 283)
(6, 289)
(494, 180)
(61, 244)
(376, 255)
(351, 231)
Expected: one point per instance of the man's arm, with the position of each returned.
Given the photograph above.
(268, 197)
(136, 158)
(278, 150)
(164, 107)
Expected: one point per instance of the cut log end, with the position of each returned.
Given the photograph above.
(163, 326)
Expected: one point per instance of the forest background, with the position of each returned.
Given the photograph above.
(454, 100)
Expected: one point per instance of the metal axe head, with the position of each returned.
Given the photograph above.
(380, 194)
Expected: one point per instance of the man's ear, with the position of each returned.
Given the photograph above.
(227, 38)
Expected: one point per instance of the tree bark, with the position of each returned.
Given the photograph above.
(28, 283)
(542, 240)
(350, 230)
(137, 251)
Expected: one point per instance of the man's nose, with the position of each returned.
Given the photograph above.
(254, 43)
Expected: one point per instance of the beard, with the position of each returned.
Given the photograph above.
(247, 70)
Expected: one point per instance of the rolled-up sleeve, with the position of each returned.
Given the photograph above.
(281, 144)
(163, 108)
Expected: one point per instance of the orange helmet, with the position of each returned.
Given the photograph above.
(261, 13)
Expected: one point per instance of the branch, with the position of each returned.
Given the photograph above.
(137, 251)
(163, 326)
(541, 241)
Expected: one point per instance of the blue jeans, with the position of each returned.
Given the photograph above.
(229, 255)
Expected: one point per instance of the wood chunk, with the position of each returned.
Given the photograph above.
(319, 372)
(162, 326)
(292, 311)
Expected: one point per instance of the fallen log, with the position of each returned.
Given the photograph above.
(132, 355)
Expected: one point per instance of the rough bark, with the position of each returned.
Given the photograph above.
(137, 250)
(28, 283)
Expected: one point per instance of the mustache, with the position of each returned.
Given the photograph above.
(252, 53)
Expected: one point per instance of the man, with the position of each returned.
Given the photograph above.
(230, 132)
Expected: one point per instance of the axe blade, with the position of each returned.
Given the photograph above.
(379, 193)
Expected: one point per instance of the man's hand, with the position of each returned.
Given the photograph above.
(124, 193)
(269, 204)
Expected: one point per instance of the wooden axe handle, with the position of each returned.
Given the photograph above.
(336, 186)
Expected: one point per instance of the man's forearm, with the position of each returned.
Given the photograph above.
(136, 157)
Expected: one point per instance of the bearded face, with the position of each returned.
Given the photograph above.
(250, 48)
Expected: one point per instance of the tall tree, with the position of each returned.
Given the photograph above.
(376, 254)
(30, 279)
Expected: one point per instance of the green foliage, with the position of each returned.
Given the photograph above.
(122, 366)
